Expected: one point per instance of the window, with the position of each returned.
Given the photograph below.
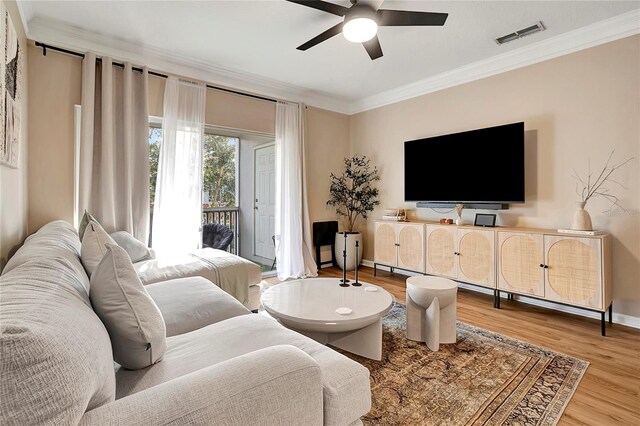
(155, 137)
(220, 168)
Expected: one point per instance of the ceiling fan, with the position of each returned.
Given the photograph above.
(361, 22)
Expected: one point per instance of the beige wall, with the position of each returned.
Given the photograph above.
(575, 108)
(223, 109)
(54, 89)
(327, 145)
(13, 182)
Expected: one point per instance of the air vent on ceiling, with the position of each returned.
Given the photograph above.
(537, 27)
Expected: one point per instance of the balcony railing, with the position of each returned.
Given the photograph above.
(227, 216)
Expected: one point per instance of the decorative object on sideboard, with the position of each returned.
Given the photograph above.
(578, 232)
(445, 221)
(398, 215)
(485, 219)
(458, 209)
(581, 218)
(353, 195)
(589, 188)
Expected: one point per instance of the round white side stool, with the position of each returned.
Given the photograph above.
(431, 310)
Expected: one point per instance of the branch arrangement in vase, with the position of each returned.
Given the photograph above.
(352, 193)
(594, 185)
(459, 208)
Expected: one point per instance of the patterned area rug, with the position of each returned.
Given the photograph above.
(483, 379)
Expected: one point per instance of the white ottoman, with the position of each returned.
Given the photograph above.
(431, 310)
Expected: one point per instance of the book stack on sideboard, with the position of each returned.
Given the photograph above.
(559, 267)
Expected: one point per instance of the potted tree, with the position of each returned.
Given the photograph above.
(353, 196)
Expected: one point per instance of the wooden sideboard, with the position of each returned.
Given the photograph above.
(572, 270)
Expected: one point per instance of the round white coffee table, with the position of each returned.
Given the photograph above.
(309, 307)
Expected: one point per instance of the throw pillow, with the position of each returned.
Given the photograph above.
(93, 246)
(131, 317)
(86, 218)
(134, 248)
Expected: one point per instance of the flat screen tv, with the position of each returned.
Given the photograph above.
(484, 166)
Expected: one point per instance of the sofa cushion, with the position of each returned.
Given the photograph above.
(134, 248)
(346, 387)
(94, 246)
(133, 320)
(55, 240)
(86, 218)
(188, 304)
(55, 354)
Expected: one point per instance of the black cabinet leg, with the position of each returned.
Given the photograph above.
(498, 299)
(611, 313)
(375, 269)
(602, 324)
(495, 303)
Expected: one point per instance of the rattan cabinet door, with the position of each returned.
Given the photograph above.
(574, 271)
(385, 248)
(520, 263)
(441, 249)
(476, 257)
(411, 246)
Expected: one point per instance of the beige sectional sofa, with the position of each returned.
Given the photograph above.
(223, 365)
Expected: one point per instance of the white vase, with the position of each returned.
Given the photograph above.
(581, 218)
(351, 249)
(459, 221)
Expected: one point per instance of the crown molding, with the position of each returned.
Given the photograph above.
(615, 28)
(25, 9)
(68, 37)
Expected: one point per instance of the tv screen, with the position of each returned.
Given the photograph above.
(478, 166)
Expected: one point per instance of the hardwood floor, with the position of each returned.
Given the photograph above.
(609, 393)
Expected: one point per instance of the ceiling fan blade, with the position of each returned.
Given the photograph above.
(399, 18)
(324, 6)
(335, 30)
(373, 48)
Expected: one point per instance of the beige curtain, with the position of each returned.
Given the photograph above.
(114, 147)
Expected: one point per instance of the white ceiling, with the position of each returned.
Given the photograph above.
(259, 38)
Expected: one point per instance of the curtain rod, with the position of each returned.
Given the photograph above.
(46, 47)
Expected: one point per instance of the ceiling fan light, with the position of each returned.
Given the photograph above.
(359, 30)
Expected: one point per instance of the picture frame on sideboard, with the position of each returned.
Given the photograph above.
(485, 219)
